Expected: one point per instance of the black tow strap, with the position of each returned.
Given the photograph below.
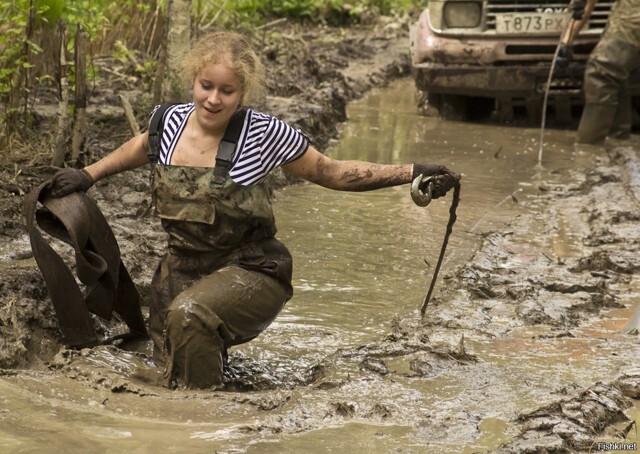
(76, 220)
(452, 220)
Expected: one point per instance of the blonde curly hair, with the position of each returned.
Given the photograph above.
(233, 50)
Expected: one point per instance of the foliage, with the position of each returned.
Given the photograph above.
(30, 41)
(130, 31)
(324, 10)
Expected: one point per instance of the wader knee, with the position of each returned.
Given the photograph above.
(228, 307)
(195, 349)
(608, 70)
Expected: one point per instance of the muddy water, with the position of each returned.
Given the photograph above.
(360, 260)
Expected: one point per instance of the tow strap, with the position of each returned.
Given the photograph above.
(422, 199)
(77, 220)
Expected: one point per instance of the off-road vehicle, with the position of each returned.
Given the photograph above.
(474, 57)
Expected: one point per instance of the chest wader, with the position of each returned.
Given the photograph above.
(224, 278)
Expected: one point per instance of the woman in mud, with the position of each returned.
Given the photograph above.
(225, 276)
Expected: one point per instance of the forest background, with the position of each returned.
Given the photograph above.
(50, 52)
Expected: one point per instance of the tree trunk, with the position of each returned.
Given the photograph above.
(178, 41)
(80, 103)
(63, 105)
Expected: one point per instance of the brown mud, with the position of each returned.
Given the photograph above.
(522, 288)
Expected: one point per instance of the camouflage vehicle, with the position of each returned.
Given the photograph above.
(478, 57)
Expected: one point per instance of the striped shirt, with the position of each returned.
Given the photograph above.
(265, 143)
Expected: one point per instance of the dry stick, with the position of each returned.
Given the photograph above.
(272, 23)
(452, 220)
(221, 9)
(27, 54)
(156, 17)
(128, 112)
(161, 66)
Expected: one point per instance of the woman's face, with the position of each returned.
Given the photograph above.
(217, 92)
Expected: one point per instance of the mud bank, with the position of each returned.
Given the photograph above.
(524, 278)
(576, 424)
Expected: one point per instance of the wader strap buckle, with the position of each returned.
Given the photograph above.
(227, 148)
(223, 161)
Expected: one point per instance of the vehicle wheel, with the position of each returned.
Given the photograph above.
(635, 113)
(449, 107)
(428, 104)
(453, 107)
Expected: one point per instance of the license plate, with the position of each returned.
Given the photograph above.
(531, 22)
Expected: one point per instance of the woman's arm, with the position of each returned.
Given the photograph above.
(130, 155)
(348, 175)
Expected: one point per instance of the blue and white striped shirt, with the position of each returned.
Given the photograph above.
(265, 143)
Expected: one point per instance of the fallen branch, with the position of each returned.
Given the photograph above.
(128, 112)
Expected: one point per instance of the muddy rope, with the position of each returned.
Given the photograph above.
(452, 220)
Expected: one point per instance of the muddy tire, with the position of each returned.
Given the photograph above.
(454, 107)
(449, 107)
(635, 113)
(428, 104)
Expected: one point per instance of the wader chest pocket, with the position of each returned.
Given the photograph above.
(184, 194)
(190, 210)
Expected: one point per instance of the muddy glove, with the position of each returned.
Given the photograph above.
(565, 54)
(576, 8)
(442, 182)
(66, 181)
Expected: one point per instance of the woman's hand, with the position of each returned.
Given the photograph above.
(66, 181)
(442, 181)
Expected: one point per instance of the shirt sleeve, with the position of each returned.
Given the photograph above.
(282, 144)
(268, 143)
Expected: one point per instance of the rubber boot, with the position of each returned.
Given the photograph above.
(595, 123)
(621, 128)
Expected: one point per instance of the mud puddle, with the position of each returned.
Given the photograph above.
(531, 310)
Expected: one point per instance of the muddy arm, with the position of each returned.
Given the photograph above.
(348, 175)
(130, 155)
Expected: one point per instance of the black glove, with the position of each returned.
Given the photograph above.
(565, 54)
(576, 8)
(66, 181)
(442, 182)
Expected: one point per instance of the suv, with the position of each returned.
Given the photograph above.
(474, 57)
